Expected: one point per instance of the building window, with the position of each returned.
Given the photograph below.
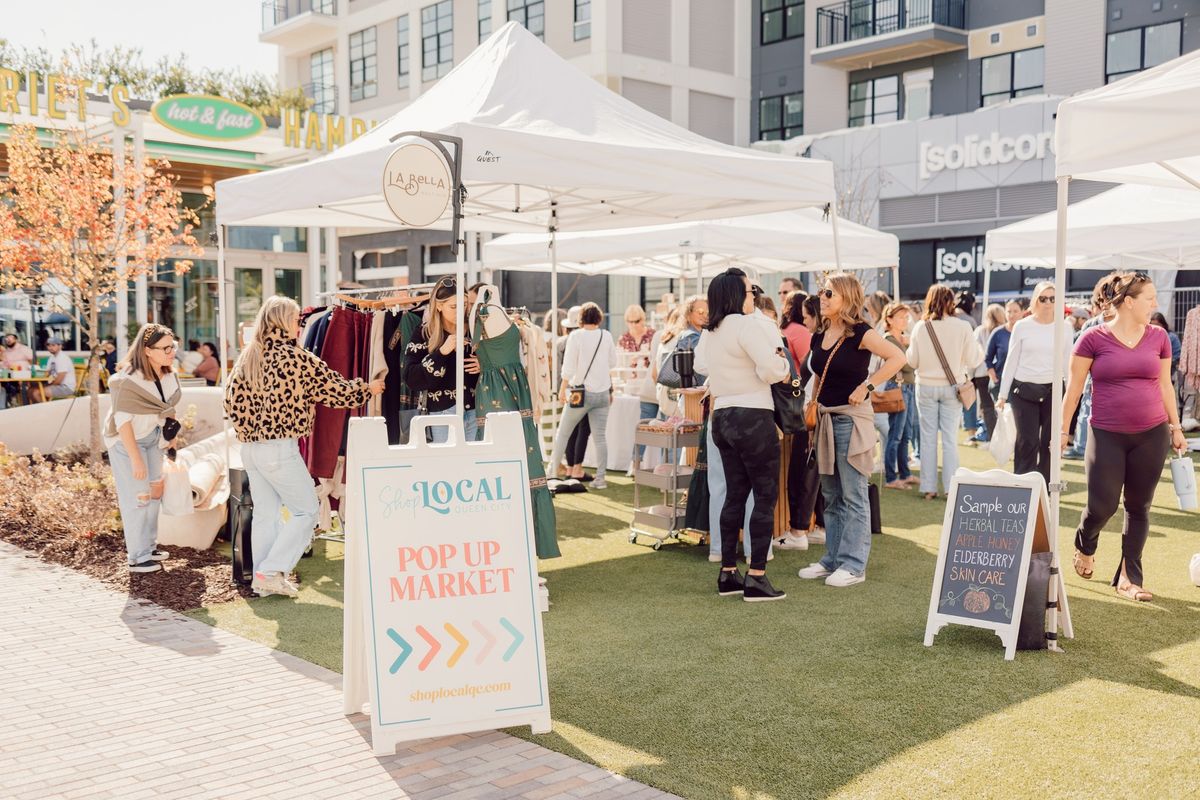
(1012, 75)
(531, 14)
(918, 94)
(1141, 48)
(321, 82)
(876, 100)
(363, 81)
(402, 63)
(781, 19)
(437, 40)
(781, 117)
(485, 19)
(583, 19)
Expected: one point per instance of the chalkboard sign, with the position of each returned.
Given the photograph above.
(994, 521)
(988, 528)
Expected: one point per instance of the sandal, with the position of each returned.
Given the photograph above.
(1084, 565)
(931, 495)
(896, 485)
(1134, 592)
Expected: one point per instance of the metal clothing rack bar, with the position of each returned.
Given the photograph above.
(416, 287)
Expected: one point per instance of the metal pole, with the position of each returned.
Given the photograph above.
(1056, 410)
(222, 288)
(896, 282)
(118, 153)
(554, 293)
(460, 276)
(837, 247)
(141, 295)
(699, 273)
(987, 284)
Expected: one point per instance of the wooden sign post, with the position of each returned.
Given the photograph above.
(443, 628)
(994, 521)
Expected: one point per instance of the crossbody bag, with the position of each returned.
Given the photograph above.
(810, 410)
(575, 394)
(965, 391)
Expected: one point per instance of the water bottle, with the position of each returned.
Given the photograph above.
(1183, 474)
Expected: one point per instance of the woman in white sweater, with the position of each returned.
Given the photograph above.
(742, 358)
(1026, 382)
(588, 361)
(937, 396)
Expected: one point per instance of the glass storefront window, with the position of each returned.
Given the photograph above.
(247, 294)
(275, 240)
(289, 283)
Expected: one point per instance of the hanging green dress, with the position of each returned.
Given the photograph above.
(504, 386)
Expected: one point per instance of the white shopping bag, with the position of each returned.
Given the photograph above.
(177, 489)
(1004, 437)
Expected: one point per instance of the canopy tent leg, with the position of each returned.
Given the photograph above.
(460, 276)
(896, 282)
(1056, 418)
(837, 245)
(222, 332)
(554, 291)
(987, 284)
(699, 273)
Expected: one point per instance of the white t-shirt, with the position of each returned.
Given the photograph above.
(1031, 353)
(143, 424)
(581, 344)
(61, 363)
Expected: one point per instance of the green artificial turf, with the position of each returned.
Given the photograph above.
(831, 693)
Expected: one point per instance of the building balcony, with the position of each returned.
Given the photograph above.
(298, 24)
(857, 34)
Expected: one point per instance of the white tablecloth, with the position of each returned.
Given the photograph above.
(623, 417)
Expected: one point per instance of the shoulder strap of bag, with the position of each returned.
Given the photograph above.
(940, 354)
(593, 361)
(825, 371)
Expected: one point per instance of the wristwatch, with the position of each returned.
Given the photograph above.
(870, 386)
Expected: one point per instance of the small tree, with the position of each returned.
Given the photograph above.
(69, 213)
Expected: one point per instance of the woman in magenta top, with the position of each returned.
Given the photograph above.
(1134, 422)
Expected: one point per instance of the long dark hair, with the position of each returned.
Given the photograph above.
(726, 295)
(793, 309)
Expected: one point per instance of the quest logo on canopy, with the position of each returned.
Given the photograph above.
(416, 183)
(208, 117)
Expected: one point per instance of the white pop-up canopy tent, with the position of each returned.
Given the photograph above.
(776, 242)
(1141, 130)
(544, 148)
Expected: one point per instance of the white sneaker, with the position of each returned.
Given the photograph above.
(269, 583)
(813, 571)
(844, 577)
(792, 541)
(816, 536)
(714, 559)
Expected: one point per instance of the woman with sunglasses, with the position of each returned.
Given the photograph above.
(1134, 420)
(145, 392)
(845, 434)
(1027, 377)
(430, 365)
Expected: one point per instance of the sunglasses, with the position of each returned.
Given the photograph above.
(1044, 299)
(827, 294)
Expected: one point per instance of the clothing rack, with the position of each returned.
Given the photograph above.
(402, 293)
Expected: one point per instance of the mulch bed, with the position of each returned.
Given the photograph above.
(189, 579)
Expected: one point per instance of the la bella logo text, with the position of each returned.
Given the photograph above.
(410, 183)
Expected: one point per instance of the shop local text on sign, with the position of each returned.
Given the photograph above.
(974, 152)
(452, 628)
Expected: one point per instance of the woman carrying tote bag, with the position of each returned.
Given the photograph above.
(943, 351)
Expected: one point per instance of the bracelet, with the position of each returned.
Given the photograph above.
(1174, 427)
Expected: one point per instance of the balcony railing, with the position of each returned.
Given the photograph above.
(852, 20)
(277, 12)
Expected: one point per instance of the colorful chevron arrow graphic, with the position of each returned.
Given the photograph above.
(462, 644)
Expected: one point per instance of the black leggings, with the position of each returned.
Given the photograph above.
(577, 444)
(749, 448)
(985, 404)
(1115, 460)
(1031, 416)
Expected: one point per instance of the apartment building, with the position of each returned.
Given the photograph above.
(686, 60)
(940, 113)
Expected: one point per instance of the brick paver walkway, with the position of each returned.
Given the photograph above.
(111, 697)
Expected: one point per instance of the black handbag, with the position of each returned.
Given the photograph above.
(668, 371)
(239, 522)
(1033, 392)
(788, 397)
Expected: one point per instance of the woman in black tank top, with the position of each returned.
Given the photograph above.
(841, 351)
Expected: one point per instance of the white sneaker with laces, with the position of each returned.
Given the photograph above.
(816, 536)
(792, 541)
(269, 583)
(714, 559)
(813, 571)
(843, 578)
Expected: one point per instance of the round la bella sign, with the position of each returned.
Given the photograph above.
(416, 183)
(208, 117)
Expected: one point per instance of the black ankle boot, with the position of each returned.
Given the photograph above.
(758, 589)
(730, 583)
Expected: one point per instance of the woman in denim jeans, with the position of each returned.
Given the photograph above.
(895, 452)
(937, 397)
(845, 434)
(588, 361)
(270, 400)
(144, 393)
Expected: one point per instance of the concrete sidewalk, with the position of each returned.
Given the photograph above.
(112, 697)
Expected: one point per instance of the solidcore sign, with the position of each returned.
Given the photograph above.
(208, 117)
(416, 183)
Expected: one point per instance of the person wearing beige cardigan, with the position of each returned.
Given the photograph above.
(937, 396)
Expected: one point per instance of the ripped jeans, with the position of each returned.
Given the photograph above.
(139, 514)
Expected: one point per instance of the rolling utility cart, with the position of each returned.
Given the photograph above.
(663, 520)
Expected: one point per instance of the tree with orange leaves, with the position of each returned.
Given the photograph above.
(69, 213)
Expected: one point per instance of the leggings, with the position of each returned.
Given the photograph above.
(749, 448)
(1031, 415)
(1133, 461)
(985, 404)
(577, 443)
